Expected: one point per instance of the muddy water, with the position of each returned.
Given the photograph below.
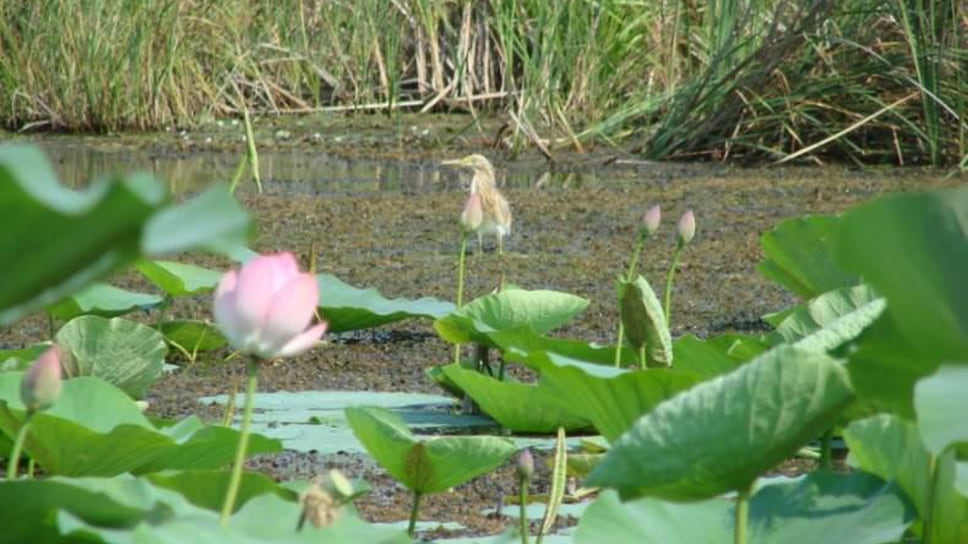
(383, 214)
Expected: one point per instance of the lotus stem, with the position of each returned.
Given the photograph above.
(668, 286)
(18, 445)
(826, 443)
(460, 285)
(252, 371)
(523, 514)
(742, 516)
(927, 518)
(414, 509)
(31, 465)
(229, 408)
(50, 325)
(633, 264)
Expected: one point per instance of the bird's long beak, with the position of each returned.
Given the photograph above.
(453, 162)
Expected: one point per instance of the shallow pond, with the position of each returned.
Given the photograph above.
(383, 213)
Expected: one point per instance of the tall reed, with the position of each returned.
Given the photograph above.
(758, 79)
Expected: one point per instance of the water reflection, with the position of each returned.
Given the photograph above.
(289, 172)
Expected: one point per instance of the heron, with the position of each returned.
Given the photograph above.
(497, 211)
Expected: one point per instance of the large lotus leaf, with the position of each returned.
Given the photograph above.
(830, 319)
(63, 239)
(192, 335)
(941, 403)
(541, 311)
(612, 398)
(80, 434)
(179, 279)
(714, 356)
(425, 466)
(195, 445)
(891, 448)
(103, 300)
(29, 506)
(856, 508)
(913, 249)
(525, 340)
(520, 407)
(799, 255)
(125, 353)
(645, 323)
(884, 367)
(349, 308)
(213, 220)
(721, 434)
(155, 515)
(206, 488)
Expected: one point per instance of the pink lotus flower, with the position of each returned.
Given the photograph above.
(473, 214)
(265, 307)
(41, 385)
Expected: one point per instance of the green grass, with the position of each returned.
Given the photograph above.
(744, 79)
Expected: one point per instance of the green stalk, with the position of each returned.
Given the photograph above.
(742, 516)
(251, 152)
(460, 285)
(31, 465)
(414, 508)
(239, 170)
(633, 263)
(522, 516)
(927, 520)
(18, 446)
(668, 286)
(252, 371)
(826, 443)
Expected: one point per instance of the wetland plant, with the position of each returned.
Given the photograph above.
(685, 232)
(424, 466)
(264, 310)
(524, 469)
(39, 390)
(650, 224)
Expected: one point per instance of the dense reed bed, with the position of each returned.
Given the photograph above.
(872, 81)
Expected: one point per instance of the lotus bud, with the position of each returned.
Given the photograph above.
(473, 214)
(650, 223)
(686, 228)
(525, 465)
(41, 385)
(318, 507)
(265, 307)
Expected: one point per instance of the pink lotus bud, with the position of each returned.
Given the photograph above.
(687, 227)
(650, 223)
(525, 465)
(265, 307)
(41, 385)
(473, 214)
